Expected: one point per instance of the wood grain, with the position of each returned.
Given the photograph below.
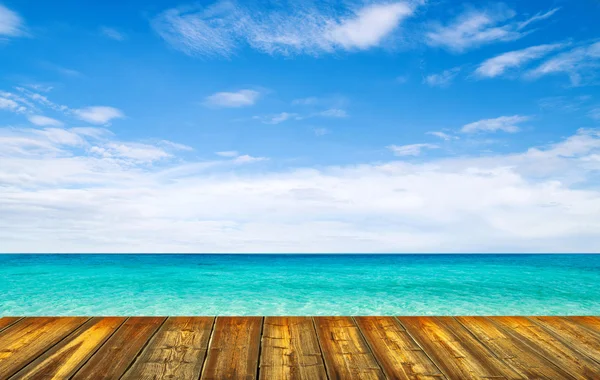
(116, 355)
(573, 334)
(521, 357)
(578, 365)
(66, 357)
(234, 349)
(590, 323)
(290, 350)
(346, 354)
(400, 357)
(7, 321)
(454, 350)
(176, 351)
(28, 338)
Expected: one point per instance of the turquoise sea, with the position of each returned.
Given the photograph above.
(299, 284)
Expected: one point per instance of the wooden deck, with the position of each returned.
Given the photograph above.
(300, 348)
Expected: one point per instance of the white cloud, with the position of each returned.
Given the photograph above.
(442, 135)
(11, 24)
(98, 114)
(176, 146)
(44, 121)
(503, 123)
(8, 104)
(321, 131)
(61, 199)
(475, 28)
(132, 152)
(241, 98)
(498, 65)
(581, 64)
(334, 112)
(410, 150)
(443, 79)
(285, 28)
(228, 153)
(112, 33)
(245, 159)
(277, 118)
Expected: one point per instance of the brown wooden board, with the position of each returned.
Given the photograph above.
(7, 321)
(454, 350)
(234, 349)
(176, 351)
(590, 323)
(290, 350)
(563, 355)
(346, 353)
(399, 355)
(521, 357)
(67, 356)
(28, 338)
(116, 355)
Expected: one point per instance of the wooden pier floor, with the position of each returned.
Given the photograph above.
(300, 348)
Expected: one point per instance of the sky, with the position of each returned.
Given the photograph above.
(299, 126)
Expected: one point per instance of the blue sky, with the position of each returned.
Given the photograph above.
(369, 126)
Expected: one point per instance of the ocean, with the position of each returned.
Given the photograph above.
(144, 284)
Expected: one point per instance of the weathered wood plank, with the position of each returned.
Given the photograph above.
(521, 357)
(454, 350)
(29, 338)
(399, 355)
(234, 349)
(115, 356)
(7, 321)
(346, 354)
(573, 334)
(176, 351)
(591, 323)
(66, 357)
(290, 350)
(578, 365)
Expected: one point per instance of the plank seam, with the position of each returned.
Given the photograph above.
(51, 347)
(12, 324)
(588, 329)
(262, 330)
(314, 323)
(439, 367)
(210, 339)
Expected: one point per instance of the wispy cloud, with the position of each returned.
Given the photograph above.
(443, 79)
(112, 33)
(581, 64)
(477, 27)
(498, 65)
(442, 135)
(286, 28)
(321, 131)
(277, 118)
(11, 24)
(241, 98)
(410, 150)
(594, 113)
(228, 153)
(44, 121)
(98, 114)
(508, 124)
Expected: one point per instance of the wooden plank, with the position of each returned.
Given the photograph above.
(346, 354)
(30, 337)
(454, 350)
(525, 360)
(590, 323)
(66, 357)
(399, 355)
(573, 334)
(176, 351)
(578, 365)
(7, 322)
(116, 355)
(234, 348)
(290, 350)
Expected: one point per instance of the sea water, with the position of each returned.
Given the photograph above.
(145, 284)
